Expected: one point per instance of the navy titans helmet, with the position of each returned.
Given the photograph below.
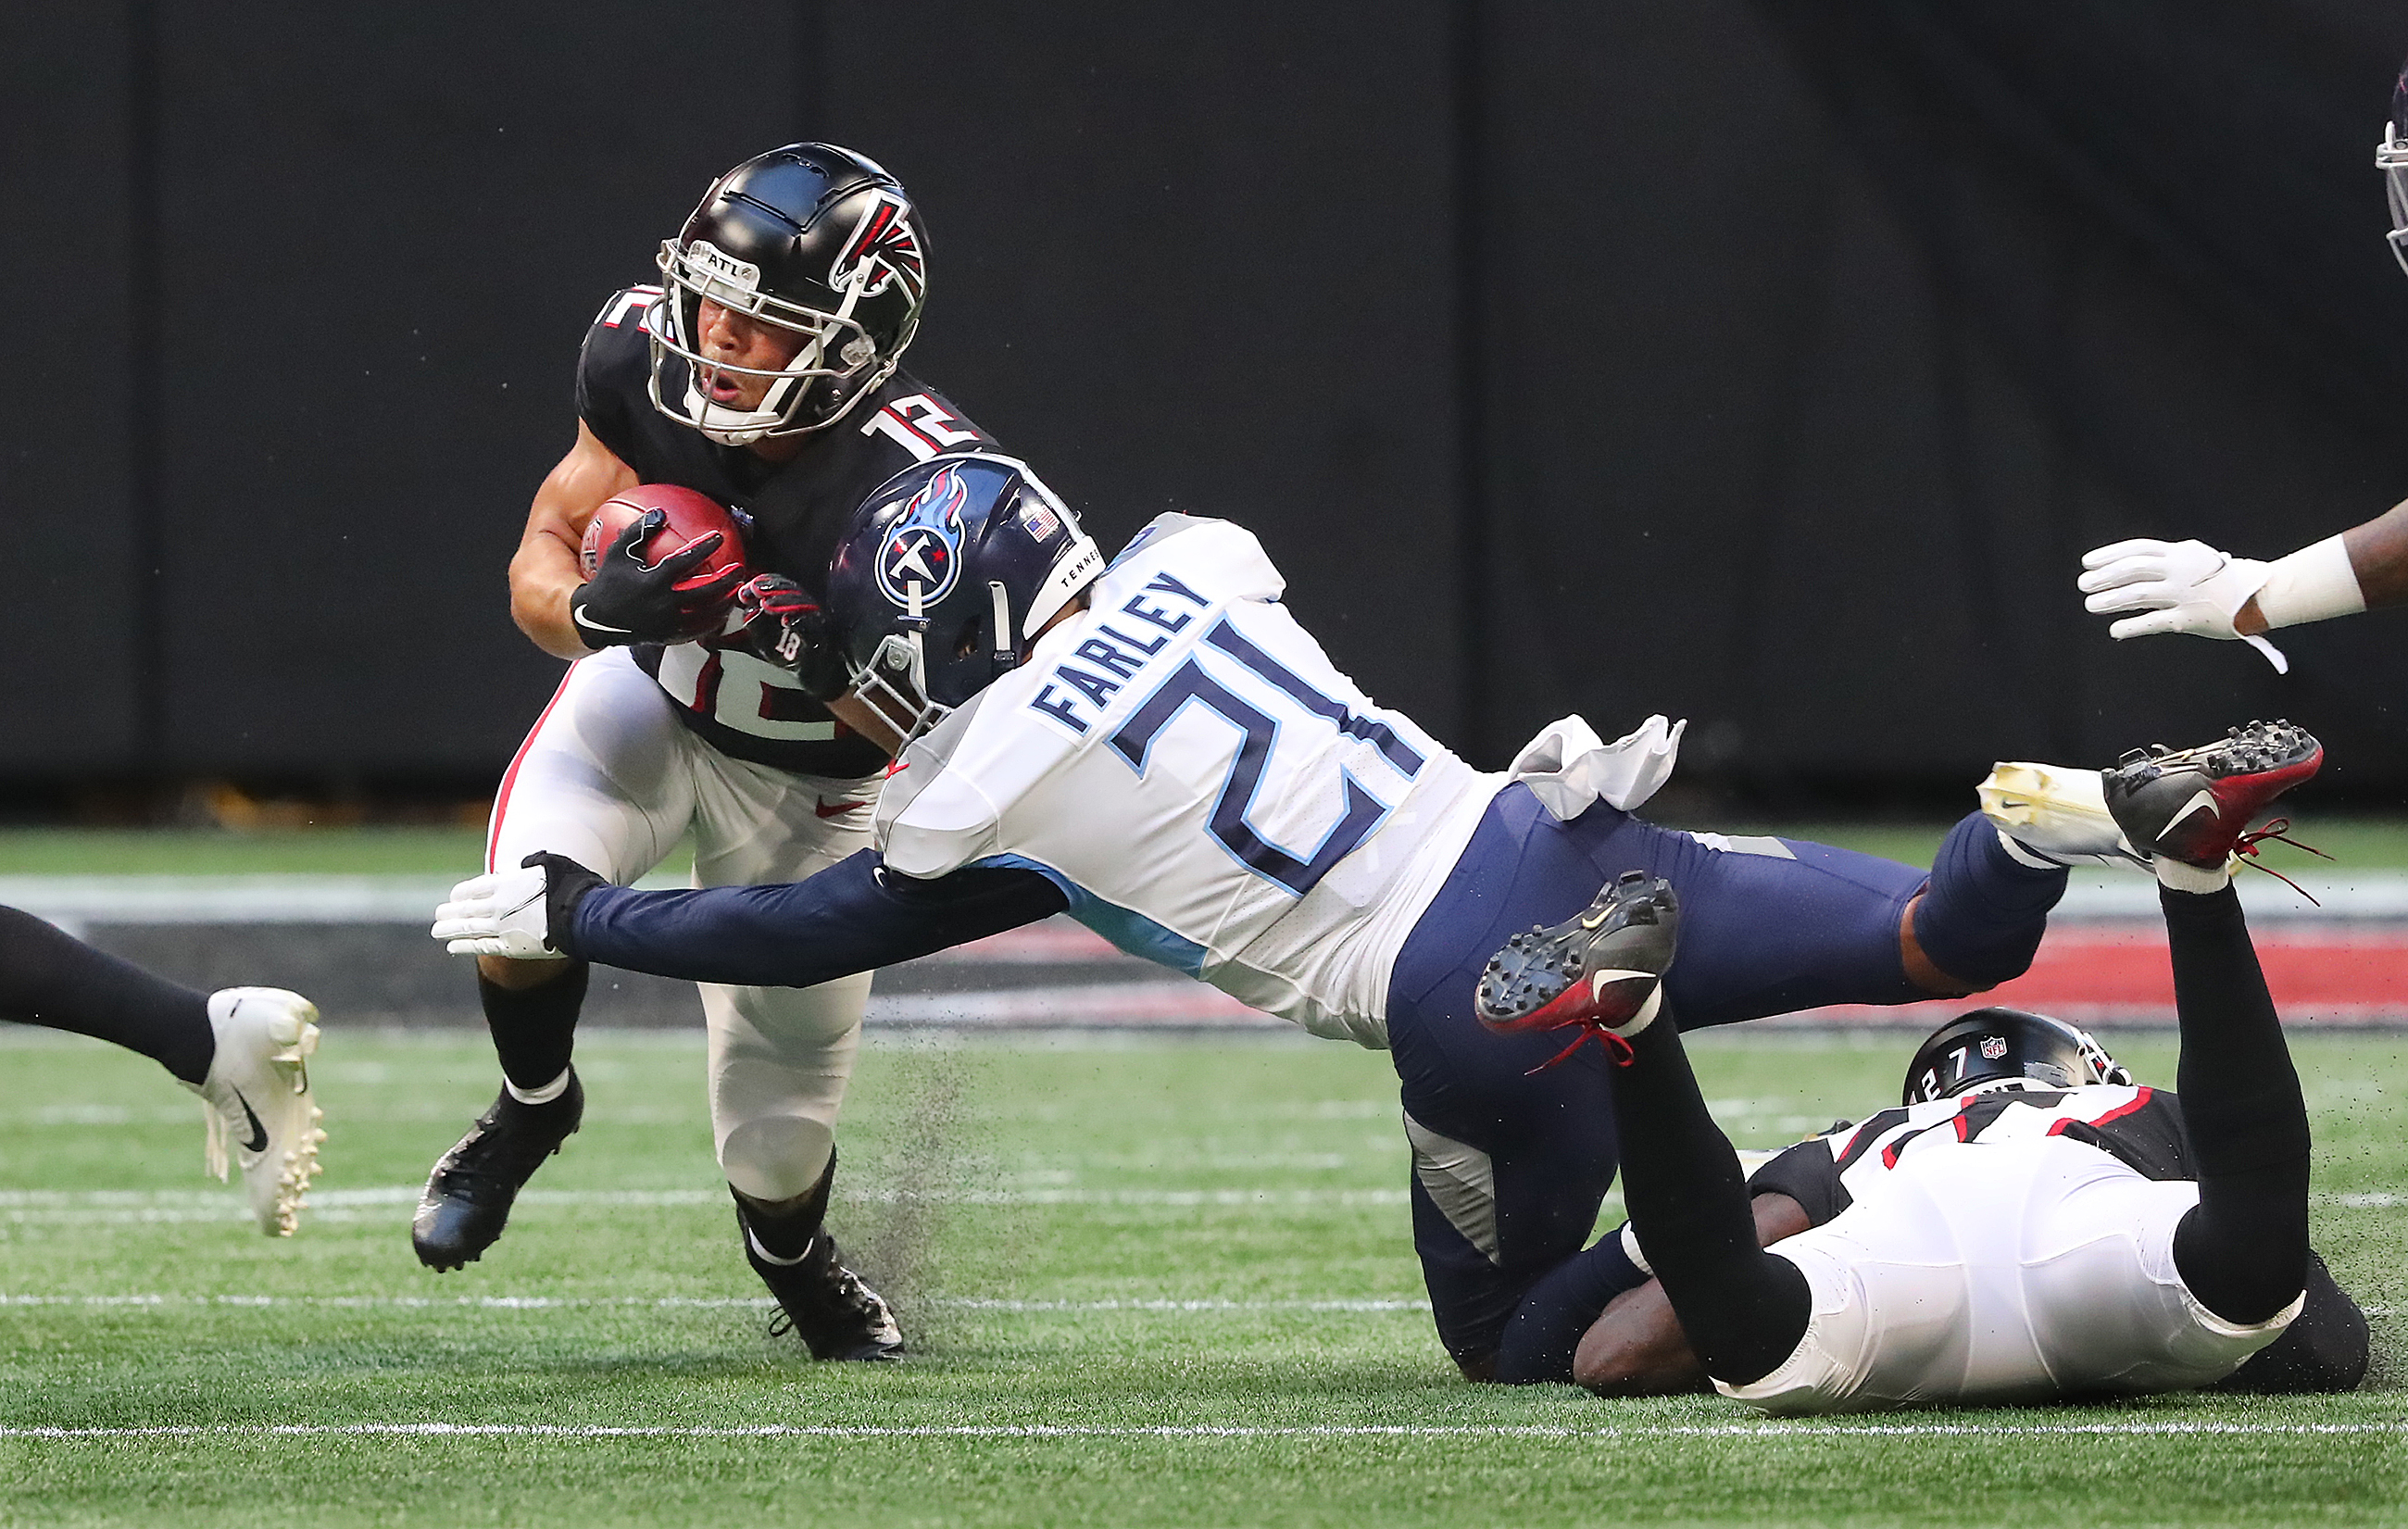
(2006, 1048)
(944, 575)
(815, 240)
(2391, 158)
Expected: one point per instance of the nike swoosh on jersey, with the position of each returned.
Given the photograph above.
(258, 1142)
(837, 810)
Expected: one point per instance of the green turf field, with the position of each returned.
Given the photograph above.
(1151, 1283)
(2363, 843)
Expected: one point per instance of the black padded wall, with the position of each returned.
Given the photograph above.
(1766, 364)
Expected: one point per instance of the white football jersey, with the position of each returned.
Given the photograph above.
(1184, 762)
(2003, 1247)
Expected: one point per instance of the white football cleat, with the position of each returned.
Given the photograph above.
(256, 1100)
(2055, 816)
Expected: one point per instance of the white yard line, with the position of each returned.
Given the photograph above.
(715, 1303)
(666, 1303)
(1732, 1429)
(137, 1206)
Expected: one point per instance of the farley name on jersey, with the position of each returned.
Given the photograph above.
(1325, 825)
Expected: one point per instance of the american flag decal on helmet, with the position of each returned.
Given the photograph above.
(884, 249)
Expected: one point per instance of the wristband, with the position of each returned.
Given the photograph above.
(2313, 584)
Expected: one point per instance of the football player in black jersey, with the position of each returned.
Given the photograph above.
(2029, 1225)
(765, 372)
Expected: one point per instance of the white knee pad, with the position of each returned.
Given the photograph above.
(777, 1157)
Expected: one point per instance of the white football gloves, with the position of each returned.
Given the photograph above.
(2177, 586)
(503, 914)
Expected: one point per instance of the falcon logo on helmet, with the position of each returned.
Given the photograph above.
(884, 249)
(921, 560)
(809, 238)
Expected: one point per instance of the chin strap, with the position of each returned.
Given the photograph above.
(1007, 646)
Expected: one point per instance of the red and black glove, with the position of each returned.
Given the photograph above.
(629, 600)
(779, 622)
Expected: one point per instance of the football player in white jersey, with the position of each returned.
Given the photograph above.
(2187, 586)
(244, 1050)
(1160, 748)
(2032, 1225)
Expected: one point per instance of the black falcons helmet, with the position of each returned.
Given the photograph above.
(809, 237)
(944, 574)
(1996, 1046)
(2391, 158)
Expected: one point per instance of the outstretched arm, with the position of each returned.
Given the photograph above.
(853, 917)
(2189, 586)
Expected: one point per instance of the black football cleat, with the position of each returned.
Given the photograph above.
(826, 1305)
(468, 1199)
(2194, 804)
(1602, 971)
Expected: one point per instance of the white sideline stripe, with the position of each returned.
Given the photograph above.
(283, 898)
(1733, 1430)
(1167, 1001)
(704, 1303)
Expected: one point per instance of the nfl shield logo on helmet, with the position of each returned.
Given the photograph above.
(1994, 1046)
(923, 547)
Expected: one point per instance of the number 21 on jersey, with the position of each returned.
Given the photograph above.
(1232, 812)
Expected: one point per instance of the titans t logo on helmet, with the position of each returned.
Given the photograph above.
(884, 249)
(924, 546)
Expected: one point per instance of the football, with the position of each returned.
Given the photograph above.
(690, 515)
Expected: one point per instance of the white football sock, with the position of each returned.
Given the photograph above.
(2198, 880)
(543, 1095)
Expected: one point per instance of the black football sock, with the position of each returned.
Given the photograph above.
(1547, 1327)
(784, 1230)
(1984, 911)
(1743, 1309)
(2243, 1249)
(51, 978)
(535, 1029)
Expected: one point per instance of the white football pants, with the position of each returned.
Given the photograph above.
(612, 779)
(2024, 1270)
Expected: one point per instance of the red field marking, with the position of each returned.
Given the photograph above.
(2321, 974)
(2107, 974)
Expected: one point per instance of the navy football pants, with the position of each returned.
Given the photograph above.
(1510, 1168)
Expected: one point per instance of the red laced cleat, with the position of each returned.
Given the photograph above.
(2194, 804)
(1602, 972)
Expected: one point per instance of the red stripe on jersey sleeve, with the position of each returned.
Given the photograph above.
(2139, 1102)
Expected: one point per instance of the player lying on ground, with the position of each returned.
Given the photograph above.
(763, 372)
(2189, 586)
(1161, 749)
(1602, 1321)
(244, 1050)
(2003, 1241)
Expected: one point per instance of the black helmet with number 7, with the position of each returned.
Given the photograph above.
(809, 237)
(1987, 1048)
(945, 575)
